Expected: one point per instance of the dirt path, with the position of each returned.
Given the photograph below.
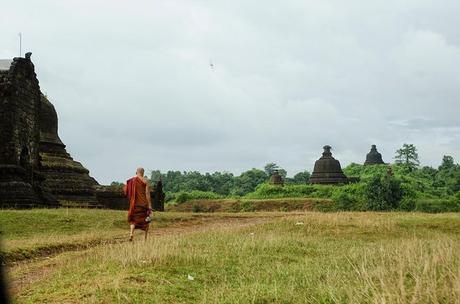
(24, 273)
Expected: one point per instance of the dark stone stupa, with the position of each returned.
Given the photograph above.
(327, 170)
(276, 179)
(373, 157)
(65, 178)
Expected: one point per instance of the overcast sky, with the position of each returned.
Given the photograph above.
(133, 85)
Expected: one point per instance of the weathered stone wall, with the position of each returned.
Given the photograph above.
(20, 180)
(65, 178)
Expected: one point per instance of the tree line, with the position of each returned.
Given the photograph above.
(223, 183)
(409, 180)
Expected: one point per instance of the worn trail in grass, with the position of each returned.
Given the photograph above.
(43, 257)
(35, 233)
(307, 258)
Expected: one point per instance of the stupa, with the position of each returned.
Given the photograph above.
(65, 178)
(276, 179)
(373, 157)
(327, 170)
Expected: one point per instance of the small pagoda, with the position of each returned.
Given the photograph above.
(374, 157)
(276, 179)
(327, 170)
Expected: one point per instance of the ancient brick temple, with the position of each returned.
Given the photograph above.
(35, 168)
(327, 170)
(21, 183)
(276, 179)
(66, 178)
(374, 157)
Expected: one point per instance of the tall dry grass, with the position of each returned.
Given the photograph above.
(312, 258)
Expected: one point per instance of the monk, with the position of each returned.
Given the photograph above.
(140, 204)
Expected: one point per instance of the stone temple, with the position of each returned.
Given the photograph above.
(35, 168)
(327, 170)
(373, 157)
(276, 179)
(66, 178)
(21, 183)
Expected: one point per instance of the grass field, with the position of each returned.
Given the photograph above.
(277, 257)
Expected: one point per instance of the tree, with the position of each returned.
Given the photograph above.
(272, 167)
(301, 177)
(383, 192)
(155, 175)
(248, 181)
(408, 157)
(447, 163)
(448, 175)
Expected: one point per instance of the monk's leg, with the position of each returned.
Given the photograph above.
(146, 232)
(131, 233)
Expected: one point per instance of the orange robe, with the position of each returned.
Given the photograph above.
(135, 190)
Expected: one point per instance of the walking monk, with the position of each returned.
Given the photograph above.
(140, 204)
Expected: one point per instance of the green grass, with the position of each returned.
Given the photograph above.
(308, 258)
(36, 232)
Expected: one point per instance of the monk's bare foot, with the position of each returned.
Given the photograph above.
(130, 238)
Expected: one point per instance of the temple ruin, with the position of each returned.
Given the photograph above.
(374, 157)
(21, 183)
(35, 168)
(66, 178)
(276, 179)
(327, 170)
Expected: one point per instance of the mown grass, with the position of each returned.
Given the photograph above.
(312, 258)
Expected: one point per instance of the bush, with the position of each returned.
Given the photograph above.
(196, 208)
(267, 191)
(246, 206)
(437, 205)
(183, 197)
(344, 201)
(242, 206)
(383, 192)
(407, 204)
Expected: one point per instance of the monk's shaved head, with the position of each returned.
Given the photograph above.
(140, 171)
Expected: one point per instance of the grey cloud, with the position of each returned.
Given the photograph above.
(133, 86)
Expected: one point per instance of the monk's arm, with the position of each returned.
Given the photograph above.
(149, 197)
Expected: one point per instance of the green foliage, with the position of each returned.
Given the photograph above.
(407, 204)
(272, 167)
(437, 205)
(270, 191)
(408, 157)
(409, 188)
(364, 173)
(300, 178)
(183, 197)
(248, 181)
(383, 192)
